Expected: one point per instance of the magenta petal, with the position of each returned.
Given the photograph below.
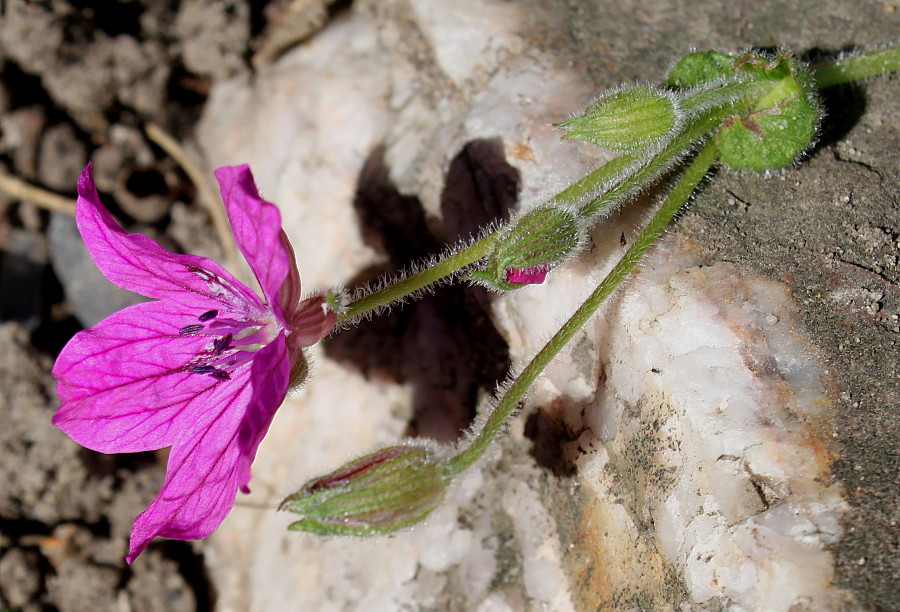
(526, 276)
(201, 483)
(139, 264)
(207, 468)
(289, 294)
(123, 384)
(257, 230)
(270, 376)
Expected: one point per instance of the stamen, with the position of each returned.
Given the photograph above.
(222, 326)
(209, 314)
(222, 343)
(249, 348)
(235, 341)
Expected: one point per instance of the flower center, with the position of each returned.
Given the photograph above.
(236, 341)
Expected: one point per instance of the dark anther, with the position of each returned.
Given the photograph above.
(222, 343)
(202, 369)
(220, 375)
(209, 314)
(190, 329)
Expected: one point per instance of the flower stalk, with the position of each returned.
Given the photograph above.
(858, 67)
(404, 287)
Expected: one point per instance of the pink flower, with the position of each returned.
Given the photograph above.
(534, 275)
(202, 368)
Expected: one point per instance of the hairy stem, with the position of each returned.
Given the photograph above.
(596, 180)
(654, 228)
(411, 284)
(856, 67)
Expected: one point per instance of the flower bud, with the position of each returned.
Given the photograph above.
(782, 124)
(530, 246)
(381, 492)
(626, 120)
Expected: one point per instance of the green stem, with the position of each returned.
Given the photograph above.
(858, 67)
(516, 391)
(591, 183)
(594, 181)
(410, 284)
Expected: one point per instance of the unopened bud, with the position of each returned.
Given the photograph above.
(530, 246)
(379, 493)
(780, 126)
(626, 120)
(783, 123)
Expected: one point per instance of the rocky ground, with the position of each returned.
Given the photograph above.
(81, 83)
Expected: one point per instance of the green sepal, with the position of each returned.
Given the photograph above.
(379, 493)
(698, 68)
(631, 119)
(782, 123)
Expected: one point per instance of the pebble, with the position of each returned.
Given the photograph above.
(90, 294)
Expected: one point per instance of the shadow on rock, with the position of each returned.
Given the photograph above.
(445, 345)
